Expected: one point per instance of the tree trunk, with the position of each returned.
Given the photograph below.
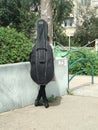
(46, 14)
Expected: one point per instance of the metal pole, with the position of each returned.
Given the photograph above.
(69, 42)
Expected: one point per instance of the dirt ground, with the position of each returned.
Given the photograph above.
(67, 113)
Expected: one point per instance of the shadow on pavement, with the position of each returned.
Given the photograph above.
(56, 102)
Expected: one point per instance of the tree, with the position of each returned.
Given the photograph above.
(61, 10)
(46, 14)
(23, 14)
(88, 29)
(55, 12)
(18, 14)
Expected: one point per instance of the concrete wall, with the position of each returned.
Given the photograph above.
(18, 90)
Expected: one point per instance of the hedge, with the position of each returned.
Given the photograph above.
(91, 55)
(14, 46)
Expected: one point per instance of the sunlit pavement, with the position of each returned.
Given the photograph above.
(69, 112)
(82, 85)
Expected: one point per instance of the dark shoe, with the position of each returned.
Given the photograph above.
(46, 104)
(37, 103)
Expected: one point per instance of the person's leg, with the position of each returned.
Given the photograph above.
(37, 103)
(39, 94)
(43, 93)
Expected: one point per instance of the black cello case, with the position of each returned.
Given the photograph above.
(41, 57)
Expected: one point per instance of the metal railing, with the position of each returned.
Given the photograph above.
(83, 60)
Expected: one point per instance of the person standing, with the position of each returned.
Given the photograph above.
(42, 62)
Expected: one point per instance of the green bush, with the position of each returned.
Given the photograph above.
(91, 55)
(14, 46)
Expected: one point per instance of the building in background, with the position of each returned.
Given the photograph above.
(80, 8)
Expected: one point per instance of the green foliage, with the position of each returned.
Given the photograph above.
(69, 91)
(91, 55)
(59, 36)
(14, 46)
(61, 10)
(18, 14)
(52, 98)
(23, 14)
(88, 31)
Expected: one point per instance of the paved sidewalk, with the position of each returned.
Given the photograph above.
(81, 85)
(67, 113)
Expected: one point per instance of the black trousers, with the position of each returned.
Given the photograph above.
(42, 93)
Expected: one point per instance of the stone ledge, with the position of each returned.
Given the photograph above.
(18, 90)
